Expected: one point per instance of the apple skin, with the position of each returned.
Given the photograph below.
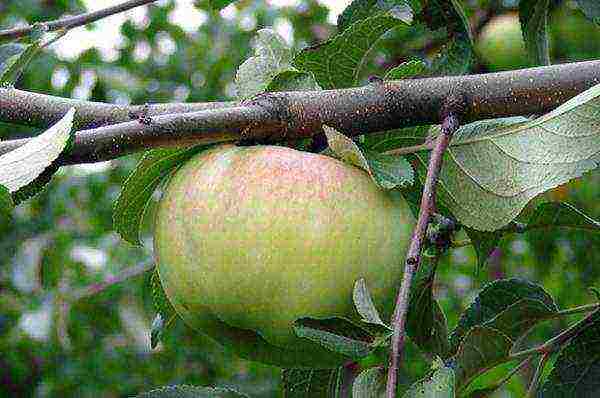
(500, 44)
(249, 239)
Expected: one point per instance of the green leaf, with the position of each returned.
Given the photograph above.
(9, 54)
(6, 204)
(495, 167)
(457, 55)
(13, 65)
(556, 214)
(220, 4)
(364, 304)
(166, 313)
(406, 70)
(498, 296)
(454, 59)
(546, 215)
(484, 244)
(336, 334)
(426, 323)
(591, 9)
(441, 384)
(314, 383)
(370, 383)
(533, 15)
(293, 80)
(577, 369)
(482, 349)
(24, 171)
(337, 62)
(137, 190)
(271, 57)
(159, 298)
(184, 391)
(387, 171)
(362, 9)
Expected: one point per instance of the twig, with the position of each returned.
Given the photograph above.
(557, 341)
(537, 376)
(450, 124)
(96, 288)
(73, 21)
(360, 110)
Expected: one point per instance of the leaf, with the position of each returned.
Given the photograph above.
(484, 244)
(6, 204)
(370, 383)
(293, 80)
(577, 369)
(387, 171)
(533, 15)
(159, 298)
(406, 70)
(495, 298)
(364, 304)
(166, 313)
(184, 391)
(426, 323)
(220, 4)
(441, 384)
(271, 57)
(591, 9)
(516, 320)
(9, 54)
(362, 9)
(494, 168)
(454, 59)
(21, 169)
(482, 348)
(547, 215)
(336, 334)
(314, 383)
(139, 187)
(457, 55)
(337, 62)
(556, 214)
(13, 65)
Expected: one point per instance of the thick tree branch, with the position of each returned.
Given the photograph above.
(450, 124)
(41, 110)
(292, 115)
(73, 21)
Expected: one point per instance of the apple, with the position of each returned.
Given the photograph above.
(249, 239)
(500, 44)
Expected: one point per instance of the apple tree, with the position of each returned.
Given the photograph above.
(297, 211)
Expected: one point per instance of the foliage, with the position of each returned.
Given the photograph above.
(503, 181)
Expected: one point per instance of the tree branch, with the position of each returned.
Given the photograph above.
(291, 115)
(73, 21)
(450, 124)
(96, 288)
(41, 110)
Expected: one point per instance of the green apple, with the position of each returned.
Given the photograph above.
(249, 239)
(500, 44)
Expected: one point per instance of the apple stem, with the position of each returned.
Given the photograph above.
(450, 123)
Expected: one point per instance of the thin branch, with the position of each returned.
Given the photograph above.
(73, 21)
(283, 116)
(96, 288)
(537, 377)
(450, 124)
(557, 341)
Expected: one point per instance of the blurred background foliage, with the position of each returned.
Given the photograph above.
(56, 342)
